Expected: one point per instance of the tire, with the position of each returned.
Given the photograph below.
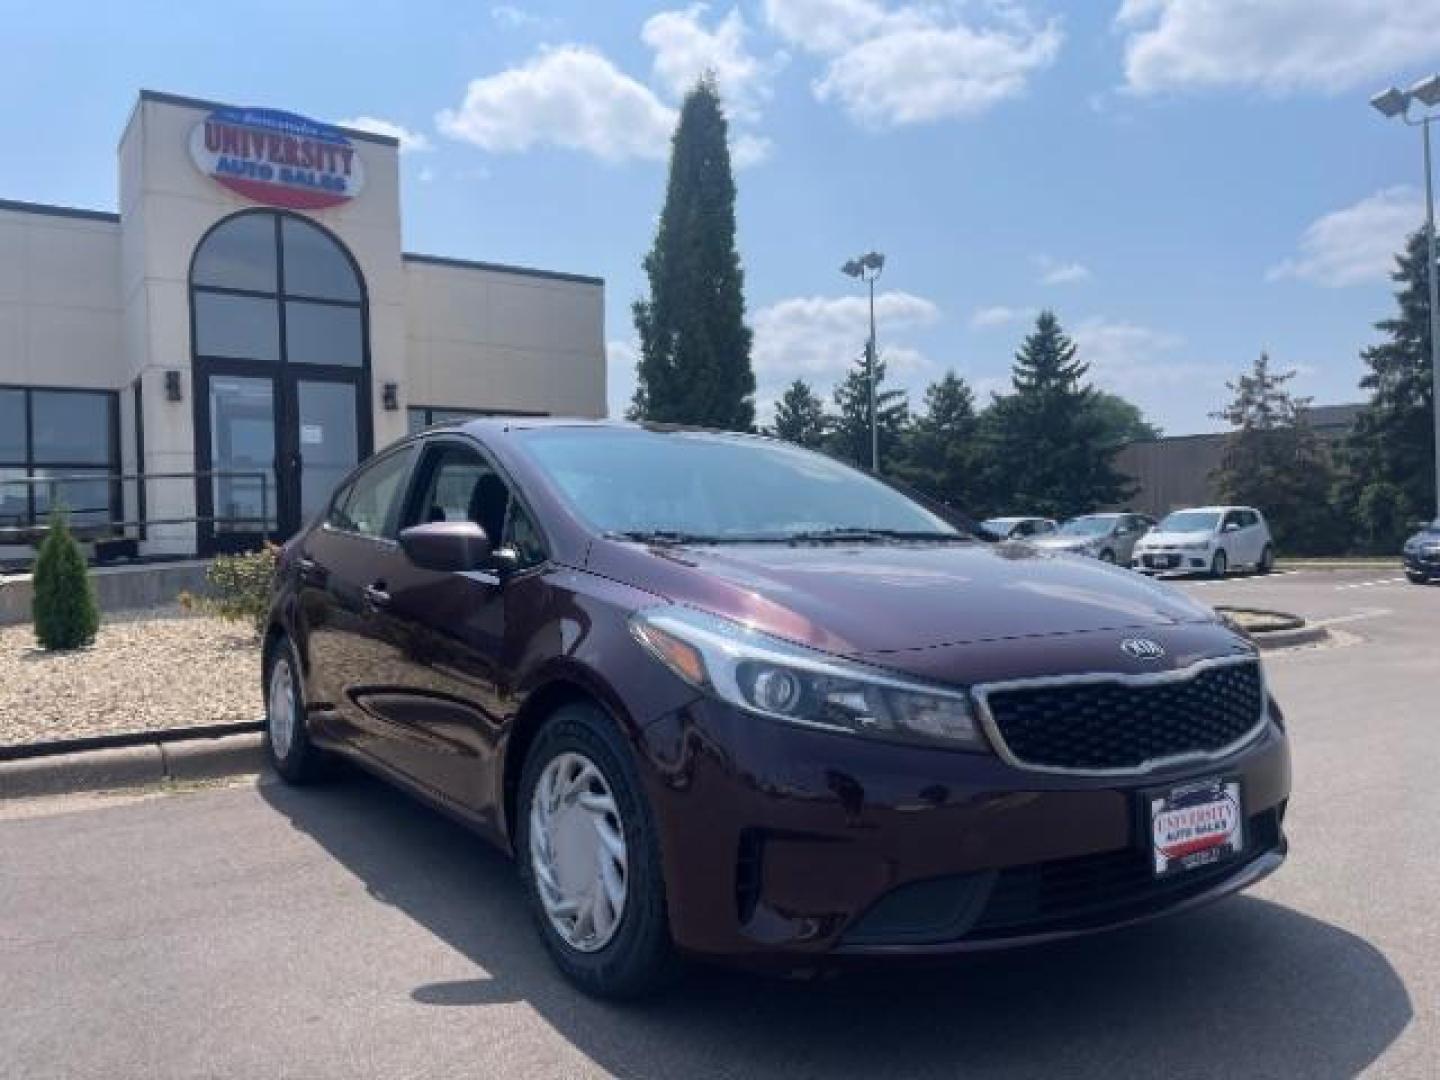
(287, 738)
(1267, 560)
(1107, 556)
(633, 955)
(1416, 579)
(1219, 564)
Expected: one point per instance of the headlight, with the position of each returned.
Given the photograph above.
(777, 679)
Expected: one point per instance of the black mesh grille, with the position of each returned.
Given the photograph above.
(1112, 725)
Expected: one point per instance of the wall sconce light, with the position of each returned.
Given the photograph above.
(391, 396)
(172, 386)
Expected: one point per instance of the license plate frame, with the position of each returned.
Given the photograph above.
(1194, 824)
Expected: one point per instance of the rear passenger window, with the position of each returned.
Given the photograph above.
(370, 504)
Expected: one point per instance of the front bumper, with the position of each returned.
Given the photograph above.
(786, 846)
(1422, 564)
(1170, 562)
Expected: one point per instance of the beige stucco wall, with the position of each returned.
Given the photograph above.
(60, 322)
(480, 338)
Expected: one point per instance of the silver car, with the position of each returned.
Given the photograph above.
(1017, 528)
(1110, 538)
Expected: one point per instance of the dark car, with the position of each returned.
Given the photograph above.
(725, 698)
(1422, 554)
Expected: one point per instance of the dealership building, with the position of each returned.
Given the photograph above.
(196, 371)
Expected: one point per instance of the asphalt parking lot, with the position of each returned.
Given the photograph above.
(258, 931)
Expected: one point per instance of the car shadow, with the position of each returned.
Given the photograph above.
(1245, 988)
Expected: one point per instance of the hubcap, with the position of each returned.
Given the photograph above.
(577, 852)
(281, 709)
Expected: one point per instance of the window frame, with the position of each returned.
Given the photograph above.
(104, 470)
(343, 490)
(437, 444)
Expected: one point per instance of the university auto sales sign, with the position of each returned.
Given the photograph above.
(277, 158)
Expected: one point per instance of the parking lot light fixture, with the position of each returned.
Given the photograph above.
(1392, 103)
(867, 268)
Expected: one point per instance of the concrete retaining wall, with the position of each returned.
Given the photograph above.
(119, 588)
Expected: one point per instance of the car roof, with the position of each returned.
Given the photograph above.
(1210, 509)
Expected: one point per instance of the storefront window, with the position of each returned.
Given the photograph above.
(70, 440)
(251, 265)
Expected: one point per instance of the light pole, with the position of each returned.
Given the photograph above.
(867, 268)
(1393, 103)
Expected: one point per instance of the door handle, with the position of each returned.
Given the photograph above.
(375, 595)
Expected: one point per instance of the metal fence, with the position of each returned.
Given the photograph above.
(28, 526)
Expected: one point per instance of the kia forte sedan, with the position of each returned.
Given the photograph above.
(721, 697)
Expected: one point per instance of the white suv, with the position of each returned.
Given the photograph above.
(1216, 539)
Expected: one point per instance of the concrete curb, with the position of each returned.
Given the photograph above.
(1285, 639)
(144, 765)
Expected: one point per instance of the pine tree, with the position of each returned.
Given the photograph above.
(800, 416)
(942, 455)
(64, 608)
(1273, 460)
(1392, 449)
(849, 436)
(1048, 445)
(694, 345)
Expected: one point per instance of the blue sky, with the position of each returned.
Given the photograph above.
(1184, 181)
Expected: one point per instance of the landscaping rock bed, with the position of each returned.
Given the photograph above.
(147, 671)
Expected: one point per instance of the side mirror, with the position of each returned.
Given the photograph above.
(1231, 526)
(454, 546)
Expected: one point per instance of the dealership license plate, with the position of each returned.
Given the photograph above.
(1195, 825)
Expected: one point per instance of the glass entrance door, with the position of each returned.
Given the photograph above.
(328, 440)
(243, 431)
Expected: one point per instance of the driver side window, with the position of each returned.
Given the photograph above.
(460, 485)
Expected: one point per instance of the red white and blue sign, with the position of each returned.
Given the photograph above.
(277, 158)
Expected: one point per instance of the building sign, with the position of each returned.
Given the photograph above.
(277, 158)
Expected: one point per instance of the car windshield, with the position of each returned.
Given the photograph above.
(708, 486)
(1087, 526)
(999, 527)
(1190, 521)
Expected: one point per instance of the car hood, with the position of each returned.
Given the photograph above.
(1155, 538)
(885, 598)
(1424, 536)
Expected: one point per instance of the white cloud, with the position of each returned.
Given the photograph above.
(516, 18)
(1356, 244)
(570, 96)
(1280, 46)
(620, 360)
(685, 49)
(915, 62)
(999, 315)
(819, 338)
(410, 141)
(1058, 272)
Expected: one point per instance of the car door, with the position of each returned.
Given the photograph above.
(1254, 537)
(1232, 538)
(344, 565)
(454, 633)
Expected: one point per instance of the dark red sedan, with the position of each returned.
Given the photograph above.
(722, 697)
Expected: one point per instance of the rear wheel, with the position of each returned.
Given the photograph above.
(287, 739)
(1219, 564)
(1267, 560)
(589, 858)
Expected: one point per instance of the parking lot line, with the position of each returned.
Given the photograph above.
(1370, 584)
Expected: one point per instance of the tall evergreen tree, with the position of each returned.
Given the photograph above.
(694, 345)
(1049, 449)
(849, 436)
(1392, 448)
(1273, 459)
(942, 455)
(800, 416)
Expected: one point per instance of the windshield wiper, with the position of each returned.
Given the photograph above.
(663, 537)
(857, 534)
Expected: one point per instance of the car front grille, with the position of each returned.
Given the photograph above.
(1098, 890)
(1122, 725)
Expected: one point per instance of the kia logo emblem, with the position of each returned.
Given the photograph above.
(1139, 648)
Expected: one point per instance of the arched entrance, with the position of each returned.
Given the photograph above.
(281, 359)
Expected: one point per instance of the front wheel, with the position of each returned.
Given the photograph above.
(589, 858)
(1107, 556)
(1267, 560)
(1415, 578)
(1219, 564)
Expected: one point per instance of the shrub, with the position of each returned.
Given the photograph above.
(66, 613)
(240, 588)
